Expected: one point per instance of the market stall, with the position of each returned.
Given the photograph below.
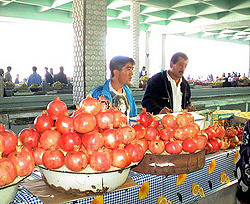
(198, 177)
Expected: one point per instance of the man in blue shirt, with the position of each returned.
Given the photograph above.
(34, 78)
(116, 89)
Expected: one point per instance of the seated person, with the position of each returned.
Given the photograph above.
(116, 89)
(168, 91)
(34, 78)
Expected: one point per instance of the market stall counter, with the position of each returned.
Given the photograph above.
(217, 174)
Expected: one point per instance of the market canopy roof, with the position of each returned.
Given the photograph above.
(224, 20)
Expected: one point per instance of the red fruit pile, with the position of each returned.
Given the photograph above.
(96, 135)
(221, 138)
(173, 135)
(15, 159)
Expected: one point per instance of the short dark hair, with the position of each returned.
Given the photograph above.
(9, 68)
(118, 62)
(174, 58)
(34, 69)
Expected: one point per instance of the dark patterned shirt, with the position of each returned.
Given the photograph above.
(243, 167)
(120, 100)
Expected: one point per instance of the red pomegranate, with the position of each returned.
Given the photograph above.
(169, 121)
(29, 137)
(76, 160)
(119, 118)
(189, 145)
(92, 141)
(43, 122)
(90, 105)
(140, 131)
(120, 158)
(105, 119)
(50, 138)
(2, 144)
(184, 119)
(135, 151)
(7, 171)
(156, 146)
(173, 147)
(112, 138)
(10, 140)
(64, 124)
(127, 134)
(23, 160)
(100, 161)
(151, 133)
(53, 159)
(145, 118)
(56, 108)
(84, 122)
(68, 141)
(38, 155)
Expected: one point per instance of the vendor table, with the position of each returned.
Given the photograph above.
(220, 163)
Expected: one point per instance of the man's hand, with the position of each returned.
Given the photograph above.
(191, 107)
(166, 110)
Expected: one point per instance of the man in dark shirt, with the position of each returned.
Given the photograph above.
(48, 78)
(61, 76)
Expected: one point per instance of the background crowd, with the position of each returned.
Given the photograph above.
(35, 78)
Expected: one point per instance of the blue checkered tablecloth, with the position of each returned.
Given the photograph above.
(164, 185)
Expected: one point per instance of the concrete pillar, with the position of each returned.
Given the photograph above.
(90, 27)
(135, 30)
(163, 53)
(147, 62)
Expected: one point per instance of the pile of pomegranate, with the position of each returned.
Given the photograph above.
(16, 161)
(220, 137)
(174, 135)
(180, 134)
(95, 136)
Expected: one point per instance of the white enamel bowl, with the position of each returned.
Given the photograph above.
(8, 192)
(86, 181)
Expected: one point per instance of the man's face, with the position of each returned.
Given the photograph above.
(177, 69)
(125, 75)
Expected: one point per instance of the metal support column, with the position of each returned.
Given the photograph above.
(89, 22)
(147, 62)
(163, 55)
(135, 30)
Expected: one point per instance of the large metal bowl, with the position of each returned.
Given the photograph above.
(87, 181)
(8, 192)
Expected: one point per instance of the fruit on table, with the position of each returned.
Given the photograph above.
(173, 147)
(56, 108)
(43, 122)
(156, 146)
(7, 171)
(10, 140)
(29, 137)
(84, 122)
(189, 145)
(53, 159)
(23, 160)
